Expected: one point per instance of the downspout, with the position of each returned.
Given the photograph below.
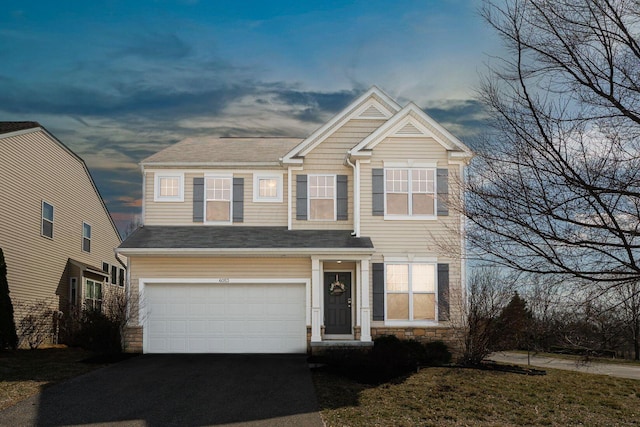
(356, 195)
(289, 198)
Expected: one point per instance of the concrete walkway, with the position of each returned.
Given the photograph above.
(622, 370)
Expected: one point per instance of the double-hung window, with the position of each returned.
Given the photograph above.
(411, 292)
(93, 294)
(47, 220)
(168, 187)
(86, 237)
(218, 199)
(322, 197)
(410, 192)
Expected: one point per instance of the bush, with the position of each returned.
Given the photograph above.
(389, 358)
(93, 330)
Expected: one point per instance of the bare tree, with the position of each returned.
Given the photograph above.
(555, 187)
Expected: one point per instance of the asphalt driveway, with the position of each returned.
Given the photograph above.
(179, 390)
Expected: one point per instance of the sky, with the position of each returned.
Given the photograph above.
(117, 81)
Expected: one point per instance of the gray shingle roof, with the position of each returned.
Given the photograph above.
(210, 150)
(232, 237)
(8, 127)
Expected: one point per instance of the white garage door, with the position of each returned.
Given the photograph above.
(224, 318)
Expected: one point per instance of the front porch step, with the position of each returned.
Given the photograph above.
(319, 347)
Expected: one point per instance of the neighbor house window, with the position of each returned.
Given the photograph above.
(322, 197)
(410, 192)
(168, 187)
(267, 188)
(47, 220)
(93, 294)
(105, 267)
(86, 237)
(114, 274)
(218, 199)
(121, 277)
(411, 291)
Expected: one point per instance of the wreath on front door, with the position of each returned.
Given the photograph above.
(337, 288)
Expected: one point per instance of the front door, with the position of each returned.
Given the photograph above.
(337, 303)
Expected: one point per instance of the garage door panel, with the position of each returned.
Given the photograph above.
(225, 318)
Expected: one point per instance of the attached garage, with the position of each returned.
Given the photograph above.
(224, 316)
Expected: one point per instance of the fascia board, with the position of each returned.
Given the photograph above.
(150, 165)
(253, 252)
(316, 137)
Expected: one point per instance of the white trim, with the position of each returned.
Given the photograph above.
(410, 164)
(42, 219)
(409, 322)
(263, 252)
(143, 282)
(162, 174)
(205, 199)
(335, 196)
(257, 176)
(411, 216)
(352, 110)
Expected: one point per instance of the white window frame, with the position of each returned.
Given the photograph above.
(85, 237)
(218, 176)
(410, 215)
(334, 198)
(256, 188)
(410, 293)
(43, 219)
(158, 176)
(94, 300)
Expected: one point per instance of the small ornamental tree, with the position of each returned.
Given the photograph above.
(8, 336)
(513, 325)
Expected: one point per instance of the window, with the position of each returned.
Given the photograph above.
(322, 197)
(411, 291)
(267, 188)
(105, 267)
(47, 220)
(218, 199)
(168, 187)
(121, 277)
(93, 294)
(410, 192)
(73, 290)
(114, 274)
(86, 237)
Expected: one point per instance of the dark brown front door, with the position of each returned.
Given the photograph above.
(337, 303)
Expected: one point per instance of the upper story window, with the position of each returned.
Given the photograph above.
(322, 197)
(410, 192)
(168, 187)
(411, 292)
(86, 237)
(267, 188)
(217, 199)
(47, 220)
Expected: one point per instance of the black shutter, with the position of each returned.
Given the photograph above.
(443, 292)
(341, 197)
(238, 199)
(378, 291)
(377, 185)
(301, 197)
(443, 192)
(198, 199)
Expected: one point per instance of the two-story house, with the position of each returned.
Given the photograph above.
(285, 245)
(56, 234)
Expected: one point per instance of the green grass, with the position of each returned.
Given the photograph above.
(25, 372)
(467, 397)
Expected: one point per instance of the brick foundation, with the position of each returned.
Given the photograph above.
(133, 339)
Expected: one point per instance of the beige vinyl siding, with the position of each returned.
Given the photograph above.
(33, 167)
(329, 158)
(201, 268)
(181, 213)
(418, 238)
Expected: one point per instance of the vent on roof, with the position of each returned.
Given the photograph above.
(372, 113)
(409, 129)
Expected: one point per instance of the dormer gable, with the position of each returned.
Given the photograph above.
(372, 105)
(412, 122)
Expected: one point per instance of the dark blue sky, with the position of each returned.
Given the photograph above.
(119, 80)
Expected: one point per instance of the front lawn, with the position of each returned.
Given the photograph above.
(25, 372)
(467, 397)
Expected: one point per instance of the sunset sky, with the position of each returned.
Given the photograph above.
(117, 80)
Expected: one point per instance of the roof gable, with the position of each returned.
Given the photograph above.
(372, 105)
(411, 121)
